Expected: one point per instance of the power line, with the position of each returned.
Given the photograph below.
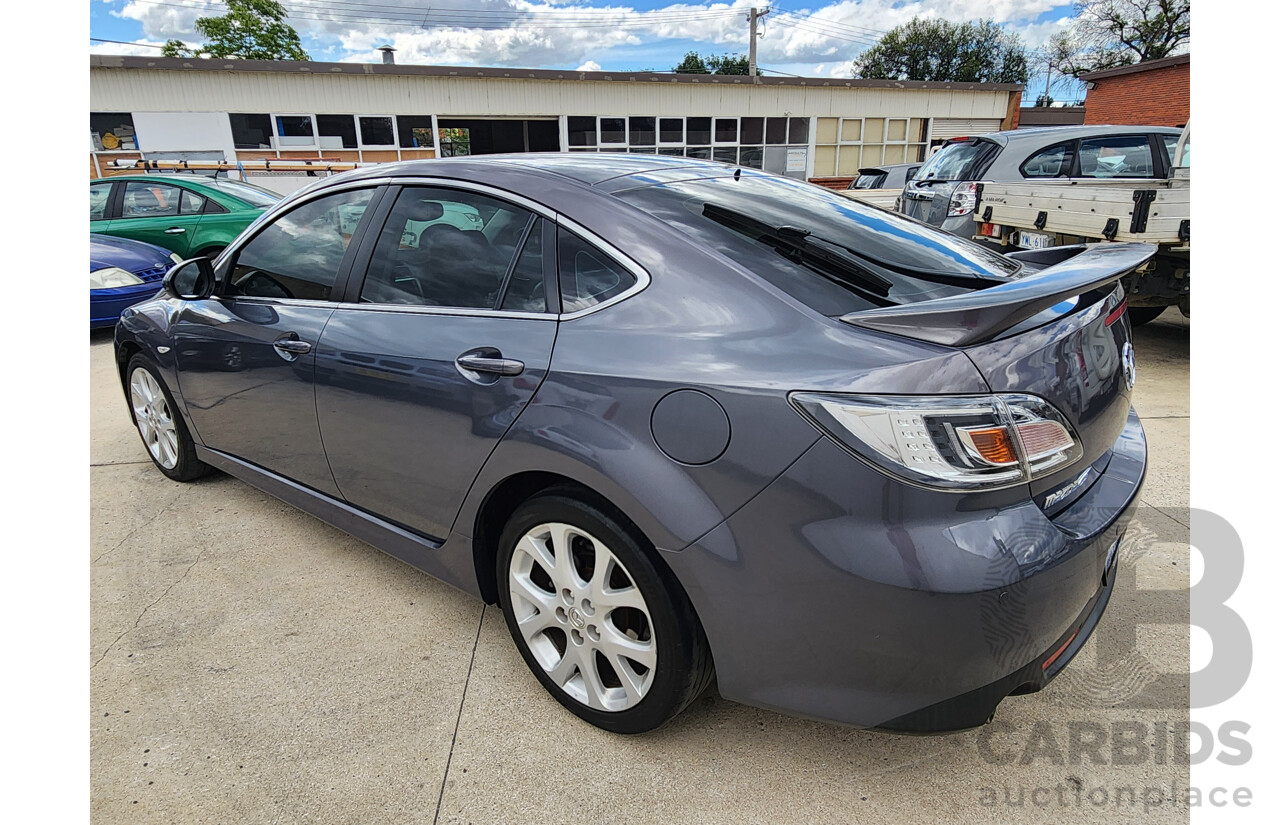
(127, 43)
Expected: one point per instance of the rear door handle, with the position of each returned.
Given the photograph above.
(290, 347)
(174, 230)
(489, 360)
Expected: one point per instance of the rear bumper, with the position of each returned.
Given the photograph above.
(842, 595)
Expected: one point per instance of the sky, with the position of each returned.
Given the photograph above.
(812, 38)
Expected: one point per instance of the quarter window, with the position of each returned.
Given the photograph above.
(190, 203)
(588, 276)
(1128, 156)
(143, 199)
(525, 290)
(99, 194)
(446, 248)
(299, 255)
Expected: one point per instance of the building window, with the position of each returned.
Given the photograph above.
(415, 132)
(336, 131)
(112, 130)
(294, 131)
(613, 130)
(455, 142)
(251, 131)
(730, 140)
(845, 145)
(582, 131)
(377, 131)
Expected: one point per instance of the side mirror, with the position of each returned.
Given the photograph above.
(191, 280)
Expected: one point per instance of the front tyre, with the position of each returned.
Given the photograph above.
(610, 635)
(161, 427)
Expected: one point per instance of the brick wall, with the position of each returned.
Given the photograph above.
(1158, 97)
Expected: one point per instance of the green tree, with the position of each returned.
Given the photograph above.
(1111, 33)
(729, 64)
(694, 63)
(977, 51)
(250, 30)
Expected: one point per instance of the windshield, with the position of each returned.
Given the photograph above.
(253, 195)
(955, 161)
(821, 248)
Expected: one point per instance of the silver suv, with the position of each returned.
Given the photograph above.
(945, 190)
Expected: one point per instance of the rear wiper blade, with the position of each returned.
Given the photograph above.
(794, 242)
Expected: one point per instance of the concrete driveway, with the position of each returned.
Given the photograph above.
(249, 663)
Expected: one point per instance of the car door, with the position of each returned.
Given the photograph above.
(246, 357)
(438, 349)
(157, 212)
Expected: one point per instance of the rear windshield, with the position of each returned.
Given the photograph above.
(956, 161)
(869, 179)
(733, 217)
(253, 195)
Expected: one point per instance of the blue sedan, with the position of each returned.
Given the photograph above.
(122, 273)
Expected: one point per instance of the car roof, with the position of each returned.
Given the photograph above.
(587, 168)
(1052, 134)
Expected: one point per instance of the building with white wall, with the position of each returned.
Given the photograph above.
(236, 110)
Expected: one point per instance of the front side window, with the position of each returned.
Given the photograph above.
(587, 276)
(1128, 156)
(445, 248)
(144, 199)
(99, 194)
(300, 253)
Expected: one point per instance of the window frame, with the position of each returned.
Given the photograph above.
(342, 278)
(110, 203)
(1154, 146)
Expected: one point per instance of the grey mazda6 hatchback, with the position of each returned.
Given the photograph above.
(683, 421)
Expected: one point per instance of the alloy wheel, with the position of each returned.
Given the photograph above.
(582, 616)
(155, 420)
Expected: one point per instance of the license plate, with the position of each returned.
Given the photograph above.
(1034, 240)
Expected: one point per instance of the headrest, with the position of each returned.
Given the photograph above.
(423, 211)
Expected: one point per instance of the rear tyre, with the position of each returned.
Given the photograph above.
(1144, 315)
(160, 425)
(607, 632)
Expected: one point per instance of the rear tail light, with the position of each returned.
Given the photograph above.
(963, 200)
(953, 443)
(990, 230)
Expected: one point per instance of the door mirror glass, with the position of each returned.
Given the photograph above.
(191, 280)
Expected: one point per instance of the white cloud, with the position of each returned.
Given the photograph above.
(577, 32)
(589, 66)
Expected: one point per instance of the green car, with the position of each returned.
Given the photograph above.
(192, 216)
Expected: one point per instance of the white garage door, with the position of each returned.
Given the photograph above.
(945, 128)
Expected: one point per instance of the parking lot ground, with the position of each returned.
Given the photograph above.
(249, 663)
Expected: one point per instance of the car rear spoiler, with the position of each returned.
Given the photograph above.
(978, 316)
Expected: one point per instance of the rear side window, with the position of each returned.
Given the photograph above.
(445, 248)
(191, 203)
(588, 276)
(1171, 149)
(143, 199)
(1053, 162)
(300, 253)
(1126, 156)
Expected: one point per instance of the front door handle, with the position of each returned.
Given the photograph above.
(174, 230)
(489, 360)
(289, 347)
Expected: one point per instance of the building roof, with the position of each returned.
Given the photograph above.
(1145, 66)
(182, 64)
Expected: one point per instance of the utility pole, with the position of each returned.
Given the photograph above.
(754, 16)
